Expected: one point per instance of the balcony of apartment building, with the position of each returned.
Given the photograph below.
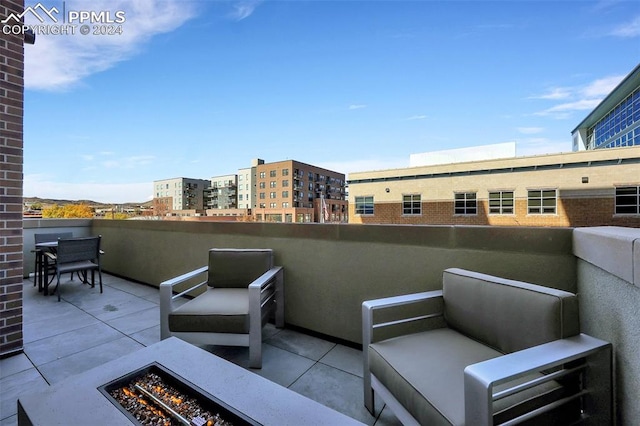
(329, 271)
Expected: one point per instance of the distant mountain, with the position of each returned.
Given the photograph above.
(51, 201)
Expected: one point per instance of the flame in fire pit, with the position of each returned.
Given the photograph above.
(153, 402)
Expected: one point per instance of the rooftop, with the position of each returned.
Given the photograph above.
(87, 329)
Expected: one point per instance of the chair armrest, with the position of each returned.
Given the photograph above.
(267, 288)
(50, 255)
(369, 306)
(167, 297)
(368, 327)
(480, 378)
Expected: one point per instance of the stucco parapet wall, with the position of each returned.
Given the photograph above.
(612, 248)
(56, 223)
(508, 239)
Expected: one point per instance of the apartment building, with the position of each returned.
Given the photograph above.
(180, 196)
(223, 192)
(615, 122)
(586, 188)
(292, 191)
(247, 185)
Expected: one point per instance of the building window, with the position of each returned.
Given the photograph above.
(240, 197)
(272, 184)
(285, 205)
(285, 194)
(501, 202)
(272, 173)
(262, 195)
(628, 200)
(542, 201)
(411, 204)
(262, 205)
(262, 185)
(285, 172)
(285, 183)
(364, 205)
(262, 175)
(272, 195)
(272, 205)
(465, 203)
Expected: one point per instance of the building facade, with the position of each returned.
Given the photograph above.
(587, 188)
(222, 192)
(615, 122)
(180, 194)
(247, 185)
(11, 182)
(291, 191)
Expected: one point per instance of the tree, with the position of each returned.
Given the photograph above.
(68, 211)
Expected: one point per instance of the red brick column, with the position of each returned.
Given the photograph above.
(11, 158)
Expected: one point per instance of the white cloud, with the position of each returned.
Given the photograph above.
(628, 30)
(554, 93)
(417, 117)
(357, 106)
(564, 110)
(244, 9)
(41, 186)
(56, 62)
(580, 98)
(601, 87)
(530, 130)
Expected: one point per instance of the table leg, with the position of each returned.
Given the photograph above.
(46, 276)
(38, 271)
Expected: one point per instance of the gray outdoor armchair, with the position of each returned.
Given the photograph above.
(242, 289)
(77, 255)
(482, 351)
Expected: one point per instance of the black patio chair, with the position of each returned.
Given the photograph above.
(40, 273)
(78, 255)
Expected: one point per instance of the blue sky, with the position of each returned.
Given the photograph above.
(198, 89)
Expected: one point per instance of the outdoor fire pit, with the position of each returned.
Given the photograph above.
(208, 387)
(153, 395)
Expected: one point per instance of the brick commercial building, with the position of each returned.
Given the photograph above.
(587, 188)
(291, 191)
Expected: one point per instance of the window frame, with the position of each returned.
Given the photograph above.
(470, 204)
(409, 206)
(360, 205)
(501, 202)
(635, 204)
(541, 208)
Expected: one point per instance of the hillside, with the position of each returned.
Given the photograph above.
(50, 201)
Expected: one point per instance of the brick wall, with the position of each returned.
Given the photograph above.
(11, 157)
(570, 212)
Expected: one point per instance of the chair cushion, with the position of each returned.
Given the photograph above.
(82, 265)
(425, 373)
(230, 307)
(237, 268)
(505, 314)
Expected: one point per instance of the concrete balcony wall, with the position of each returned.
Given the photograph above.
(79, 228)
(330, 269)
(608, 279)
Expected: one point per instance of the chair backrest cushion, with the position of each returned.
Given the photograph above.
(78, 250)
(237, 268)
(53, 236)
(507, 315)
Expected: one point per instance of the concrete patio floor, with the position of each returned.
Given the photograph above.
(87, 329)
